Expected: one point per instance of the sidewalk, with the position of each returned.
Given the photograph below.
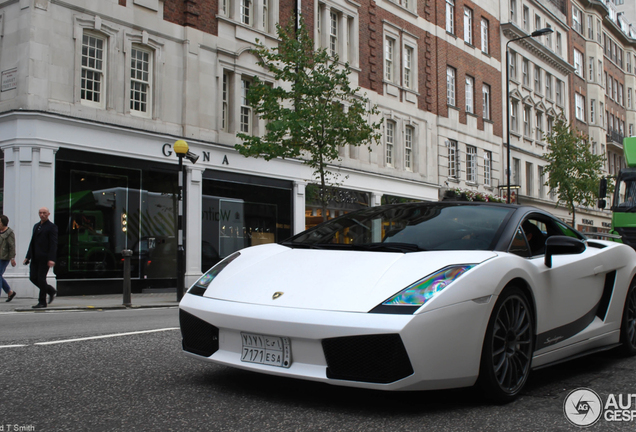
(92, 302)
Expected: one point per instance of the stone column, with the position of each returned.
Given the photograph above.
(298, 200)
(29, 184)
(194, 191)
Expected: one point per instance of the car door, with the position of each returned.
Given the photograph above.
(567, 294)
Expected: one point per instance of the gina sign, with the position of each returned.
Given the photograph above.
(167, 151)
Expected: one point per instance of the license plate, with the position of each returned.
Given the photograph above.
(267, 350)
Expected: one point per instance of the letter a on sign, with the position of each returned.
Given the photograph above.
(225, 161)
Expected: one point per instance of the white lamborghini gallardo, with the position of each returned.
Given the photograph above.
(417, 296)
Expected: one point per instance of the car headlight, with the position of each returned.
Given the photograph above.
(204, 281)
(415, 295)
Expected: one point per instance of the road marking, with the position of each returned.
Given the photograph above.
(11, 346)
(106, 336)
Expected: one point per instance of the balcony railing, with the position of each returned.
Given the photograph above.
(615, 136)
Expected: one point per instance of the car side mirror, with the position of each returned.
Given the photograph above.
(562, 245)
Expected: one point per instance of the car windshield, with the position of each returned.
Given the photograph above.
(410, 228)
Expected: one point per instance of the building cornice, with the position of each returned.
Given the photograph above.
(511, 31)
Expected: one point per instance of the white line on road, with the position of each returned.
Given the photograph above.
(106, 336)
(11, 346)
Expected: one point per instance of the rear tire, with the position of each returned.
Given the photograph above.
(508, 346)
(628, 323)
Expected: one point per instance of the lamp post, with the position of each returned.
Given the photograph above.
(535, 33)
(181, 149)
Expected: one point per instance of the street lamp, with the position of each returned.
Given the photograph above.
(181, 149)
(540, 32)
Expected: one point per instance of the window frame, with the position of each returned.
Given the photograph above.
(101, 71)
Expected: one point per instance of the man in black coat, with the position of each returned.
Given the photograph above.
(41, 254)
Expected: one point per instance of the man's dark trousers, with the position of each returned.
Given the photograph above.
(37, 274)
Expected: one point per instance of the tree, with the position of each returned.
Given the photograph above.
(574, 172)
(311, 112)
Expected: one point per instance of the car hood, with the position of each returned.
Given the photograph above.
(352, 281)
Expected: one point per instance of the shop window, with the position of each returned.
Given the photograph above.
(339, 201)
(241, 213)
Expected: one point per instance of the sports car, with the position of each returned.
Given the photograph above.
(417, 296)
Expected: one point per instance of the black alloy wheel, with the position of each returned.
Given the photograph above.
(628, 324)
(508, 347)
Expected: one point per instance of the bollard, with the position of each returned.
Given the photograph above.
(127, 253)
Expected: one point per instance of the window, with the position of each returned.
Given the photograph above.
(450, 16)
(408, 148)
(541, 182)
(513, 66)
(629, 98)
(224, 7)
(140, 80)
(631, 130)
(615, 90)
(471, 164)
(592, 111)
(559, 52)
(526, 18)
(246, 110)
(559, 92)
(513, 11)
(450, 86)
(529, 179)
(246, 12)
(591, 74)
(578, 62)
(390, 142)
(487, 168)
(548, 38)
(525, 66)
(408, 67)
(576, 20)
(598, 31)
(514, 126)
(538, 127)
(537, 22)
(389, 52)
(628, 61)
(548, 85)
(468, 25)
(470, 94)
(265, 11)
(225, 102)
(93, 69)
(452, 158)
(621, 90)
(590, 28)
(516, 168)
(333, 33)
(549, 126)
(599, 72)
(526, 121)
(537, 79)
(579, 103)
(484, 35)
(485, 89)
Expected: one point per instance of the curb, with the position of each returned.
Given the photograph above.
(94, 308)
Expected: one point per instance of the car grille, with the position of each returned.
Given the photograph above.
(628, 235)
(370, 358)
(199, 337)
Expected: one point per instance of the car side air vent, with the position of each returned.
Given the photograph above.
(596, 245)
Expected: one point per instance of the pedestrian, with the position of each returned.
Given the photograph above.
(7, 253)
(41, 255)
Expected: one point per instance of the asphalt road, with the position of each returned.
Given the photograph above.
(142, 382)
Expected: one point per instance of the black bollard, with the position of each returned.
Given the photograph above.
(127, 253)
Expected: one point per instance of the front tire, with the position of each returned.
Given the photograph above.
(508, 346)
(628, 323)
